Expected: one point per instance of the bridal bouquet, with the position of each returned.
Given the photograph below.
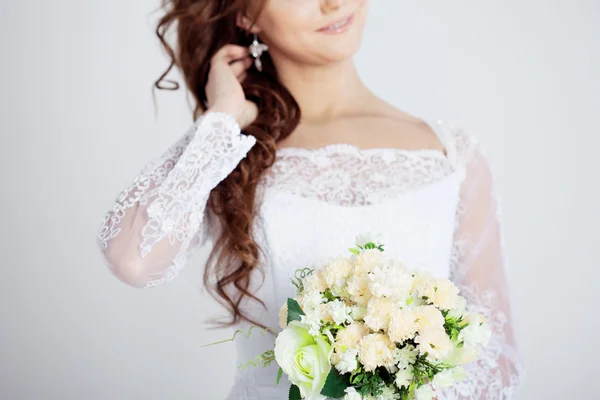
(367, 327)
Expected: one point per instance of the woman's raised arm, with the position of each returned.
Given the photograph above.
(157, 222)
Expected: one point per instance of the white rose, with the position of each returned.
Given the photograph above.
(443, 379)
(304, 359)
(424, 392)
(375, 350)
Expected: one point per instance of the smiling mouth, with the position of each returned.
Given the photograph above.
(338, 26)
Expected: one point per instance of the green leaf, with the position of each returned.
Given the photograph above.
(294, 311)
(295, 393)
(279, 374)
(328, 295)
(335, 384)
(353, 250)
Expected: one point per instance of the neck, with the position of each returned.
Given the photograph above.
(324, 92)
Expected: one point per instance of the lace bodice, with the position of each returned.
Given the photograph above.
(435, 210)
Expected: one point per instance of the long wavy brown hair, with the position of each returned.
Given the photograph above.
(201, 28)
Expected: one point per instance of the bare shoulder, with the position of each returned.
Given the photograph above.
(414, 131)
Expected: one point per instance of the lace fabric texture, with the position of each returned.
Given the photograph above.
(440, 210)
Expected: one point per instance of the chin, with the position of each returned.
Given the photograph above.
(339, 53)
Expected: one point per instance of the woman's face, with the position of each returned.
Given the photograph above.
(313, 31)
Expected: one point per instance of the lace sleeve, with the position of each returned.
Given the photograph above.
(478, 268)
(157, 222)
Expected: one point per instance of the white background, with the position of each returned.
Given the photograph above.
(78, 123)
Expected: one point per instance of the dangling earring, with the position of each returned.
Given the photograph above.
(256, 49)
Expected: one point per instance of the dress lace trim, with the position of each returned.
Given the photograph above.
(346, 175)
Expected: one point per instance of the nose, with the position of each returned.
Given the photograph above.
(331, 5)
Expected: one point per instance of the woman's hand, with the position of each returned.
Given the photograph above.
(224, 90)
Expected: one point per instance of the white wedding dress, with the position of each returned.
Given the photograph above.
(435, 211)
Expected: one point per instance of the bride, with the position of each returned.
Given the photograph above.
(320, 159)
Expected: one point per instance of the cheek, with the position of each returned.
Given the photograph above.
(290, 26)
(289, 21)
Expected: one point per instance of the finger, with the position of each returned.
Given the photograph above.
(230, 52)
(242, 77)
(241, 66)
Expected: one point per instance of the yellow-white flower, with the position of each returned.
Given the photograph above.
(422, 283)
(350, 336)
(429, 317)
(443, 293)
(375, 350)
(379, 311)
(348, 361)
(373, 237)
(443, 379)
(315, 282)
(434, 342)
(403, 377)
(336, 272)
(358, 312)
(459, 309)
(462, 355)
(351, 394)
(392, 279)
(388, 392)
(403, 325)
(358, 289)
(339, 311)
(367, 260)
(311, 301)
(459, 374)
(283, 313)
(477, 332)
(323, 311)
(405, 356)
(424, 392)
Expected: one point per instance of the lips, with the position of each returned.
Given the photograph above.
(336, 25)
